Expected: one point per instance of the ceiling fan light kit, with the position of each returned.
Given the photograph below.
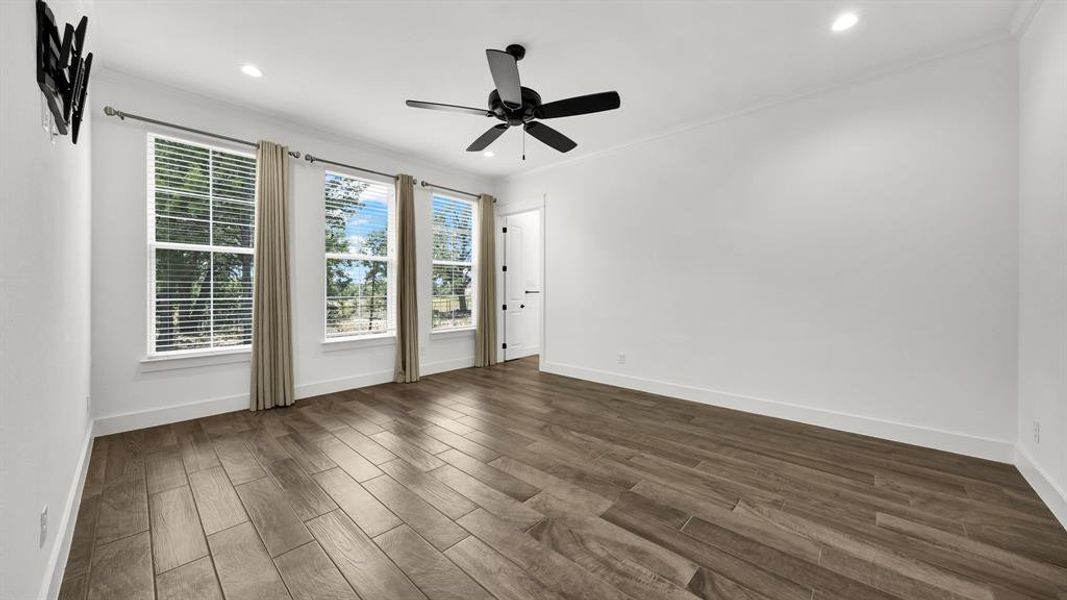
(518, 106)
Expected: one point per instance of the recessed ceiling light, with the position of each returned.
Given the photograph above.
(488, 154)
(845, 21)
(251, 70)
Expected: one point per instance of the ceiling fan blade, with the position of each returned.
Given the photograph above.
(550, 136)
(580, 105)
(487, 138)
(449, 107)
(505, 72)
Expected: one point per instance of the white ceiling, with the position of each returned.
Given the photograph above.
(349, 66)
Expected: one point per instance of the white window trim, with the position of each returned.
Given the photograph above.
(475, 281)
(184, 359)
(209, 356)
(370, 340)
(345, 341)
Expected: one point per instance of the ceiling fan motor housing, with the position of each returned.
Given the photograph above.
(515, 116)
(516, 50)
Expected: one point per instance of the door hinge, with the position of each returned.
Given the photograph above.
(505, 307)
(505, 230)
(504, 346)
(505, 267)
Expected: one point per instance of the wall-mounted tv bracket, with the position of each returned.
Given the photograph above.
(62, 71)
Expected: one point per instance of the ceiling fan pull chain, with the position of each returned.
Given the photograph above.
(524, 143)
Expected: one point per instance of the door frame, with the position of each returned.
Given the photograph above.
(533, 204)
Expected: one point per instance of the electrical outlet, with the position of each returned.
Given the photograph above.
(1037, 432)
(43, 537)
(621, 358)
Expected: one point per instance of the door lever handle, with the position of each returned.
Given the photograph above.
(533, 291)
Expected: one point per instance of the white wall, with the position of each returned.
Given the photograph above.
(44, 313)
(847, 259)
(122, 383)
(1043, 252)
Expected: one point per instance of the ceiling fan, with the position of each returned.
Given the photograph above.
(521, 106)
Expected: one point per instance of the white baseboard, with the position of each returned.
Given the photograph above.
(130, 421)
(446, 365)
(57, 561)
(950, 441)
(108, 425)
(1054, 496)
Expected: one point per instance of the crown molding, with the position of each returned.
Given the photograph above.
(885, 70)
(1023, 16)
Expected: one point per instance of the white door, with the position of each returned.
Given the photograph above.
(522, 284)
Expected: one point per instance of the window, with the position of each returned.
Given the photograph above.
(201, 243)
(360, 257)
(453, 263)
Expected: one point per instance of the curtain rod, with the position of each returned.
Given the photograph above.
(315, 159)
(441, 187)
(111, 112)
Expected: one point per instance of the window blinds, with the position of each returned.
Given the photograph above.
(202, 216)
(453, 260)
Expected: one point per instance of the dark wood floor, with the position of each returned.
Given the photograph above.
(508, 483)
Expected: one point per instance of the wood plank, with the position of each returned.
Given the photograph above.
(274, 519)
(177, 538)
(124, 456)
(164, 470)
(867, 563)
(440, 496)
(310, 575)
(306, 453)
(198, 452)
(244, 568)
(437, 577)
(438, 529)
(564, 527)
(81, 543)
(96, 474)
(465, 445)
(265, 448)
(366, 568)
(757, 529)
(1050, 573)
(216, 500)
(549, 567)
(494, 478)
(366, 447)
(348, 459)
(238, 461)
(74, 587)
(713, 559)
(122, 569)
(582, 499)
(410, 453)
(304, 495)
(360, 505)
(123, 509)
(194, 580)
(498, 503)
(496, 574)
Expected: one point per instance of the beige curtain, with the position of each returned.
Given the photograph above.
(407, 318)
(272, 349)
(485, 335)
